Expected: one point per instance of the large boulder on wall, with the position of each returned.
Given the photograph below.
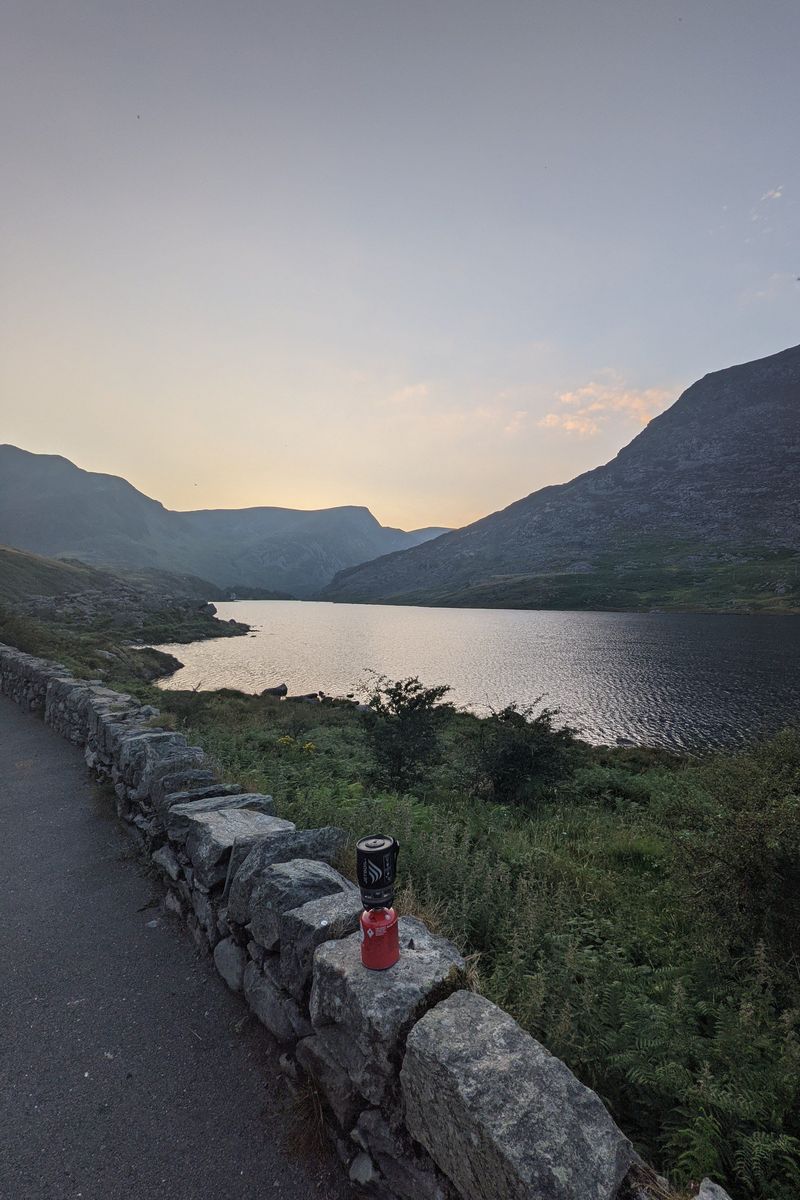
(501, 1116)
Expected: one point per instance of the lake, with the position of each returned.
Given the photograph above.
(681, 680)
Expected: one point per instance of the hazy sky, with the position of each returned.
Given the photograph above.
(424, 256)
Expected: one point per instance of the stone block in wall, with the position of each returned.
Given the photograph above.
(181, 790)
(364, 1016)
(501, 1116)
(206, 913)
(223, 928)
(322, 845)
(281, 1015)
(177, 818)
(132, 749)
(230, 961)
(363, 1171)
(123, 807)
(147, 757)
(172, 903)
(161, 763)
(405, 1172)
(110, 723)
(167, 862)
(257, 953)
(67, 707)
(288, 885)
(303, 929)
(211, 836)
(331, 1078)
(146, 828)
(193, 783)
(198, 934)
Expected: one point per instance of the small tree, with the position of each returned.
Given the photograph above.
(519, 753)
(402, 726)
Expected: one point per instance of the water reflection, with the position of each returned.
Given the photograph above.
(669, 679)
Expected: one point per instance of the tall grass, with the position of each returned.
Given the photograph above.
(641, 919)
(593, 917)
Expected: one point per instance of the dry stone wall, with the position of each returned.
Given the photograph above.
(430, 1092)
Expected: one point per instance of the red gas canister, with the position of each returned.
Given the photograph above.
(376, 864)
(380, 940)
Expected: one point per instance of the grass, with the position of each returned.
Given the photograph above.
(640, 915)
(671, 576)
(23, 574)
(112, 651)
(591, 917)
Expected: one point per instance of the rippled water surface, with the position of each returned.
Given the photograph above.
(685, 680)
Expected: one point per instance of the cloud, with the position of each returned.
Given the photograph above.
(410, 393)
(590, 408)
(516, 421)
(762, 211)
(417, 406)
(779, 286)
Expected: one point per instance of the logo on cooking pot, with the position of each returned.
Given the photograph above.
(373, 873)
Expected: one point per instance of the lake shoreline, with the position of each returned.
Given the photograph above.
(680, 681)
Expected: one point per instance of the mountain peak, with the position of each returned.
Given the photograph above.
(711, 482)
(52, 507)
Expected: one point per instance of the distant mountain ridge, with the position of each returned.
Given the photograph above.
(702, 509)
(51, 507)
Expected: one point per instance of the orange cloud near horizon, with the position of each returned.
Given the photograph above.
(590, 407)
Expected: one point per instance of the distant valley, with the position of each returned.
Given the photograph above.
(700, 511)
(53, 508)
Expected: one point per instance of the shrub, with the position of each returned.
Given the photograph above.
(602, 920)
(402, 728)
(519, 754)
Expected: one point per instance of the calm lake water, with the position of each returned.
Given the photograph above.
(669, 679)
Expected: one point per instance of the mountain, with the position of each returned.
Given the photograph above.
(52, 507)
(24, 576)
(148, 604)
(701, 510)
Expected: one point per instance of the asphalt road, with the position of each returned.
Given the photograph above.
(126, 1067)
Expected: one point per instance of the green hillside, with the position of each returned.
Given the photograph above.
(23, 575)
(91, 619)
(757, 581)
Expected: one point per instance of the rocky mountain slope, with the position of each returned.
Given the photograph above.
(74, 593)
(52, 507)
(100, 621)
(701, 510)
(23, 575)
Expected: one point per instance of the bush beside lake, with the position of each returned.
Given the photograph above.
(636, 912)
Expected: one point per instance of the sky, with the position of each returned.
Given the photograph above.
(422, 255)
